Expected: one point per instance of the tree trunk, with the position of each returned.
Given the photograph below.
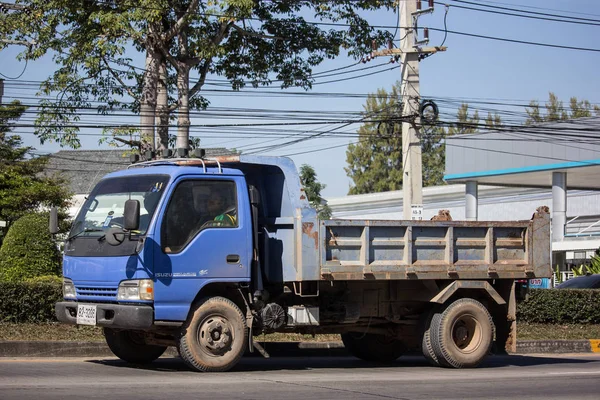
(148, 100)
(162, 108)
(183, 112)
(183, 87)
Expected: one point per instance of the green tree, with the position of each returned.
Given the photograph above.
(433, 152)
(555, 110)
(375, 163)
(312, 187)
(28, 251)
(465, 124)
(245, 41)
(493, 121)
(23, 187)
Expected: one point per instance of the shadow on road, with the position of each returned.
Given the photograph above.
(522, 360)
(256, 364)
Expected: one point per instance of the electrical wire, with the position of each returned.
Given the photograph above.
(524, 11)
(525, 16)
(447, 8)
(556, 46)
(20, 75)
(540, 8)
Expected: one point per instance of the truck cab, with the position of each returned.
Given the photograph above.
(196, 237)
(157, 266)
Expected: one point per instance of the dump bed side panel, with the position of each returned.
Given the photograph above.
(358, 250)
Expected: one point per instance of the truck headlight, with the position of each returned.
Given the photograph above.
(69, 289)
(142, 289)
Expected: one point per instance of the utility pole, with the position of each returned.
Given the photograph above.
(411, 53)
(1, 90)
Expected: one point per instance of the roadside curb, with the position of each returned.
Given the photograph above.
(275, 349)
(558, 346)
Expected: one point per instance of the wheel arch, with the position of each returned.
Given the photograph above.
(481, 290)
(228, 290)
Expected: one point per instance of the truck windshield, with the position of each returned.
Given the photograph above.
(104, 207)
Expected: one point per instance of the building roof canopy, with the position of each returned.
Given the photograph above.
(527, 157)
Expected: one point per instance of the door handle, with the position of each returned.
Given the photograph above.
(233, 259)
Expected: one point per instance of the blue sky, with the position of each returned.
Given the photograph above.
(471, 69)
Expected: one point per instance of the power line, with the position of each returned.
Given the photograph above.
(527, 16)
(20, 75)
(556, 46)
(539, 8)
(525, 11)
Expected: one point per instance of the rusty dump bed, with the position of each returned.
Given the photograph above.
(358, 250)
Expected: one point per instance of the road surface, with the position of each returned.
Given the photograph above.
(575, 376)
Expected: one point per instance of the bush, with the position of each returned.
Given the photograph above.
(46, 279)
(28, 250)
(560, 306)
(28, 302)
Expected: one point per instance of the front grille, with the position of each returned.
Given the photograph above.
(88, 291)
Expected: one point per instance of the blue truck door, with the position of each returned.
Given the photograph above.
(204, 236)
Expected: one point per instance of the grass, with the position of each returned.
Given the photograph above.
(60, 332)
(68, 333)
(527, 331)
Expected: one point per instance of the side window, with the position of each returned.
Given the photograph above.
(196, 206)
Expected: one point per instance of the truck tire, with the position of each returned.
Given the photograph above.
(426, 345)
(214, 337)
(129, 346)
(371, 347)
(462, 334)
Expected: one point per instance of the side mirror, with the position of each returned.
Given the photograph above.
(131, 215)
(53, 221)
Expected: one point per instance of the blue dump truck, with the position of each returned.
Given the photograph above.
(206, 254)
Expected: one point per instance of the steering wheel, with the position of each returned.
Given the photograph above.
(114, 224)
(210, 224)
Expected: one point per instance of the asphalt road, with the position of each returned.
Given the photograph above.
(510, 377)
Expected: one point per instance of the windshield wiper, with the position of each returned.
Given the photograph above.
(85, 230)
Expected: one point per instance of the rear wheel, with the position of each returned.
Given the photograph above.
(215, 336)
(426, 345)
(129, 346)
(462, 334)
(371, 347)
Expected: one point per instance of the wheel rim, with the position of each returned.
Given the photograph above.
(215, 335)
(467, 333)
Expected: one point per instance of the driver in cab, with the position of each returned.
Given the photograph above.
(224, 214)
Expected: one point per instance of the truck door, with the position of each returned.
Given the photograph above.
(204, 236)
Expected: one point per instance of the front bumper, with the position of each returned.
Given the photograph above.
(132, 316)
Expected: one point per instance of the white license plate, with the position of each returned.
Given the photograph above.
(86, 314)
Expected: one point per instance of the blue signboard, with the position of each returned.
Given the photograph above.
(540, 283)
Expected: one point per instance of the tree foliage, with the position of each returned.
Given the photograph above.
(28, 251)
(433, 153)
(23, 187)
(465, 123)
(375, 163)
(312, 188)
(554, 110)
(183, 42)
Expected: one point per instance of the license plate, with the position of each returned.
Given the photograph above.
(86, 314)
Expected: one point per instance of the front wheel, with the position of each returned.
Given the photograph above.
(214, 337)
(462, 334)
(129, 346)
(371, 347)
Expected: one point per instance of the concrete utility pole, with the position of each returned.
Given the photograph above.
(411, 53)
(412, 180)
